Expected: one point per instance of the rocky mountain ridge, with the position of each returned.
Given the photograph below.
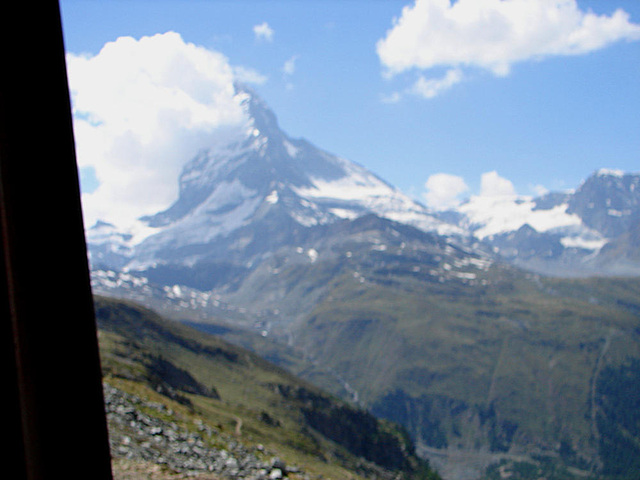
(259, 189)
(262, 181)
(562, 233)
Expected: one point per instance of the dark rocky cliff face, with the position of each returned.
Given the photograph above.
(608, 202)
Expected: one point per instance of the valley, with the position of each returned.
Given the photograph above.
(492, 347)
(182, 403)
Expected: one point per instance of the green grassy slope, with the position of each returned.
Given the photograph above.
(234, 391)
(476, 359)
(508, 364)
(468, 354)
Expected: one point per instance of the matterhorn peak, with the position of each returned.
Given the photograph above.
(259, 178)
(263, 120)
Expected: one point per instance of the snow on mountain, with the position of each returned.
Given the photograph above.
(608, 201)
(560, 233)
(105, 233)
(107, 245)
(606, 172)
(258, 177)
(359, 191)
(489, 216)
(255, 190)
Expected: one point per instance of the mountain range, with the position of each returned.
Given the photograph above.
(583, 233)
(483, 330)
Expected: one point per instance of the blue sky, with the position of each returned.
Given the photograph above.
(543, 106)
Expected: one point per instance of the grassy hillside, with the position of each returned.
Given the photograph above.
(243, 399)
(486, 366)
(509, 364)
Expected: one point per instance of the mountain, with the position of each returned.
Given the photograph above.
(442, 322)
(480, 362)
(257, 189)
(249, 194)
(563, 234)
(196, 405)
(501, 367)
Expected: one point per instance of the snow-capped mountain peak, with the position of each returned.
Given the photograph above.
(259, 176)
(488, 216)
(560, 232)
(255, 190)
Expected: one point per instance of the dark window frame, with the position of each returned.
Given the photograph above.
(51, 373)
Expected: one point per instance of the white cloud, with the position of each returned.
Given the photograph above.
(263, 32)
(493, 185)
(539, 190)
(429, 88)
(289, 66)
(142, 108)
(393, 97)
(493, 35)
(444, 191)
(248, 75)
(288, 69)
